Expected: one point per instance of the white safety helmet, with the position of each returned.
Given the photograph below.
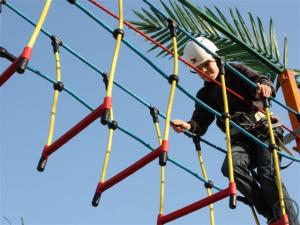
(196, 55)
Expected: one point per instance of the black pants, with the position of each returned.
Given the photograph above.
(261, 192)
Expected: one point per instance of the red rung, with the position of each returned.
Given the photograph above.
(9, 72)
(283, 221)
(73, 131)
(193, 207)
(130, 170)
(159, 219)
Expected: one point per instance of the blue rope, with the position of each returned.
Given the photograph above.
(120, 127)
(197, 101)
(251, 83)
(117, 84)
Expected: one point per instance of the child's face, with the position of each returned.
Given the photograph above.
(210, 68)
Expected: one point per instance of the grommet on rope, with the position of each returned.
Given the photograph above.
(172, 25)
(196, 140)
(105, 117)
(1, 3)
(118, 31)
(97, 195)
(113, 125)
(58, 86)
(105, 79)
(209, 184)
(266, 102)
(154, 113)
(56, 42)
(224, 116)
(273, 147)
(42, 164)
(23, 60)
(163, 156)
(72, 1)
(173, 77)
(43, 160)
(221, 65)
(7, 55)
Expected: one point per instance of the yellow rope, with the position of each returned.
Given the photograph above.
(55, 100)
(162, 190)
(211, 206)
(276, 161)
(109, 90)
(158, 133)
(116, 52)
(172, 91)
(39, 25)
(108, 148)
(227, 128)
(162, 173)
(168, 120)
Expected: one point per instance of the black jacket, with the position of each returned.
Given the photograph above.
(211, 94)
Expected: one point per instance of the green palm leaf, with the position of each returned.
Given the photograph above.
(189, 18)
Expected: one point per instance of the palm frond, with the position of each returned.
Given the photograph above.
(253, 36)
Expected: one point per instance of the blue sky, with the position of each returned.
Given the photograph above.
(63, 193)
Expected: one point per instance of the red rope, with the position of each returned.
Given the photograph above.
(180, 58)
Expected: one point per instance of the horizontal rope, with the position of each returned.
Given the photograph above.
(116, 83)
